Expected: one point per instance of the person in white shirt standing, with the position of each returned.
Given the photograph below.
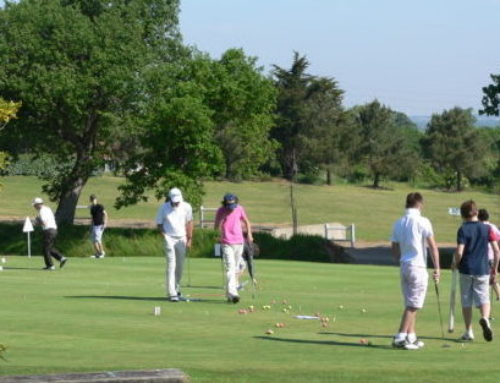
(175, 222)
(47, 221)
(410, 235)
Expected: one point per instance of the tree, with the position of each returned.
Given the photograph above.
(491, 98)
(328, 138)
(8, 110)
(243, 102)
(77, 66)
(383, 148)
(300, 97)
(454, 146)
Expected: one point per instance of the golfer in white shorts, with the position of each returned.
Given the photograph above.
(409, 237)
(175, 222)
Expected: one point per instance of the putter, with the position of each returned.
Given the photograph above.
(453, 293)
(436, 288)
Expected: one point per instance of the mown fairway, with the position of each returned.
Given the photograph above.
(95, 316)
(373, 211)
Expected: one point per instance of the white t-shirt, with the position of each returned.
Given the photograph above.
(411, 232)
(174, 219)
(47, 218)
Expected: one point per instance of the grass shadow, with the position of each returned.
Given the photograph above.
(324, 342)
(369, 336)
(131, 298)
(24, 268)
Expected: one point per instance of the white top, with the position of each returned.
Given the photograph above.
(174, 219)
(411, 232)
(47, 218)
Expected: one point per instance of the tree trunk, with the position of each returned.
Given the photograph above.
(376, 181)
(328, 176)
(66, 208)
(459, 180)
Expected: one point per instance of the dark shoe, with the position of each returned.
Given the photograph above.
(487, 333)
(49, 268)
(63, 262)
(235, 299)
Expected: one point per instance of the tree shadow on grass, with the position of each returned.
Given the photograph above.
(24, 268)
(369, 336)
(324, 342)
(149, 299)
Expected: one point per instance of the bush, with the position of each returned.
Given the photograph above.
(74, 241)
(29, 165)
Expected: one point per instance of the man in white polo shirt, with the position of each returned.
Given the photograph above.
(47, 221)
(410, 235)
(175, 222)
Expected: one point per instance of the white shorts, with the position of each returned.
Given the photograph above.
(414, 281)
(474, 289)
(96, 235)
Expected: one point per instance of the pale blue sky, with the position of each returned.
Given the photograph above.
(418, 57)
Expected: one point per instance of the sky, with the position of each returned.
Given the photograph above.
(418, 57)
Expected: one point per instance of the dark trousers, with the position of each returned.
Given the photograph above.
(49, 251)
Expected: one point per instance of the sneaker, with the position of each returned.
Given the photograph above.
(233, 299)
(467, 336)
(398, 343)
(487, 333)
(63, 262)
(49, 268)
(411, 346)
(174, 299)
(417, 343)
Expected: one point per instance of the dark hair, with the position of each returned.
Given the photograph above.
(483, 215)
(93, 197)
(468, 209)
(413, 199)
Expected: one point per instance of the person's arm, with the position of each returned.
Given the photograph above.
(159, 221)
(435, 257)
(496, 259)
(189, 227)
(249, 228)
(396, 251)
(459, 252)
(105, 218)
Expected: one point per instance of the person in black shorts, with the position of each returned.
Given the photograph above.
(98, 224)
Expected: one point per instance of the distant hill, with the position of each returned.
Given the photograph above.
(422, 121)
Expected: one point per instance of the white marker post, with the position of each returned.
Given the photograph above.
(28, 228)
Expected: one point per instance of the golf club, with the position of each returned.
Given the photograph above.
(188, 258)
(436, 287)
(453, 293)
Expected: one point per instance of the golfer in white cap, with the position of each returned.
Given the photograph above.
(175, 223)
(47, 221)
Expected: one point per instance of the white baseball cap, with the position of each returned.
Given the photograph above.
(37, 201)
(175, 195)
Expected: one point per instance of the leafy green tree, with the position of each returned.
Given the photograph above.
(243, 102)
(455, 147)
(8, 111)
(383, 147)
(177, 135)
(77, 66)
(301, 97)
(491, 98)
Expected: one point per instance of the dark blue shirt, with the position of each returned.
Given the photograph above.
(474, 236)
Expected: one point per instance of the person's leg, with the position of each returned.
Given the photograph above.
(230, 265)
(482, 301)
(53, 251)
(408, 320)
(180, 257)
(496, 289)
(47, 245)
(170, 272)
(466, 298)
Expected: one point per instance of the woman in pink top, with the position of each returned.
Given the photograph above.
(484, 217)
(228, 221)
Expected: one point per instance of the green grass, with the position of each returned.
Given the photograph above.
(373, 211)
(97, 316)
